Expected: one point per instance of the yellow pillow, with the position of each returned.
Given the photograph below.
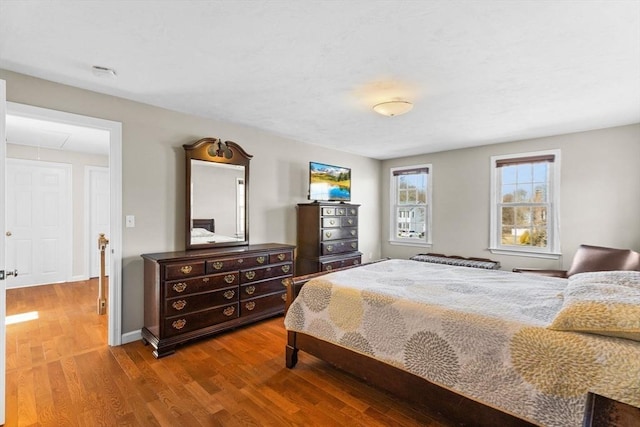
(602, 302)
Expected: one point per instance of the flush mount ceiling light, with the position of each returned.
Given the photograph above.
(393, 108)
(106, 72)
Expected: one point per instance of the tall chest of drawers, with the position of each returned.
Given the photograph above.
(192, 294)
(327, 237)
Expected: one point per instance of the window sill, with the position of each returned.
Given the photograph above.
(524, 253)
(421, 244)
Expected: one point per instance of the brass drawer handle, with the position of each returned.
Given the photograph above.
(330, 248)
(179, 305)
(340, 211)
(229, 278)
(250, 290)
(350, 221)
(286, 268)
(281, 257)
(240, 260)
(332, 222)
(353, 232)
(218, 265)
(284, 297)
(260, 260)
(328, 234)
(250, 274)
(229, 294)
(328, 268)
(179, 287)
(205, 279)
(329, 211)
(229, 311)
(354, 245)
(250, 305)
(186, 269)
(284, 282)
(179, 324)
(353, 211)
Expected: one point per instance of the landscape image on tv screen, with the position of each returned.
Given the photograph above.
(330, 183)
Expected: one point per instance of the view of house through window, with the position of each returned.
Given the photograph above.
(525, 204)
(410, 198)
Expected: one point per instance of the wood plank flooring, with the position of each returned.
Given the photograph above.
(60, 372)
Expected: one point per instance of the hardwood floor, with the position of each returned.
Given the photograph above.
(61, 372)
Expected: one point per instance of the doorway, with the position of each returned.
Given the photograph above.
(82, 269)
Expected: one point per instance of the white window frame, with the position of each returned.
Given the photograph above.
(393, 220)
(495, 244)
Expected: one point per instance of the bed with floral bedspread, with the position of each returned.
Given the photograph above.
(532, 346)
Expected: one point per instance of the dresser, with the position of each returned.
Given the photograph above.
(192, 294)
(327, 237)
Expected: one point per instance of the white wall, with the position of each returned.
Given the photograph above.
(153, 169)
(600, 195)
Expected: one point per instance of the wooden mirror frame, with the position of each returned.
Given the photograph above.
(212, 150)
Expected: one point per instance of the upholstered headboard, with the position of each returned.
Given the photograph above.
(207, 224)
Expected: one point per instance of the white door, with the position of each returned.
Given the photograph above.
(3, 301)
(38, 222)
(99, 215)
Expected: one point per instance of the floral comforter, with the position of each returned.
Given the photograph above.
(480, 333)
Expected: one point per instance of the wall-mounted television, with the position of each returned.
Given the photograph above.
(329, 183)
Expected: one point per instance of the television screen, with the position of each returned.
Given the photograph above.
(329, 183)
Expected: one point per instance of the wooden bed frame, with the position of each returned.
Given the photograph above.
(208, 224)
(412, 388)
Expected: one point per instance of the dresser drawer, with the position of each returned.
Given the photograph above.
(201, 284)
(349, 221)
(217, 265)
(334, 211)
(262, 304)
(262, 288)
(183, 270)
(260, 273)
(189, 322)
(280, 257)
(346, 262)
(331, 221)
(339, 233)
(329, 248)
(188, 304)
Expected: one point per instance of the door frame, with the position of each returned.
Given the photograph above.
(115, 183)
(90, 241)
(3, 301)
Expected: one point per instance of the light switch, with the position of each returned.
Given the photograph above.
(130, 221)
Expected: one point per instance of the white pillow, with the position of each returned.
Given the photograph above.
(602, 302)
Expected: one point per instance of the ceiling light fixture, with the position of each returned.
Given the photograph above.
(393, 108)
(104, 72)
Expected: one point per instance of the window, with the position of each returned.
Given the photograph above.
(524, 205)
(410, 219)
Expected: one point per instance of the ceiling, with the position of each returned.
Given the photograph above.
(478, 72)
(56, 136)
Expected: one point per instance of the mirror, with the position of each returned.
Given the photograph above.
(217, 178)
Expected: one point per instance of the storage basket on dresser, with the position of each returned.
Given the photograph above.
(193, 294)
(327, 237)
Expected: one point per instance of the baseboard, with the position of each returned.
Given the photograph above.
(131, 336)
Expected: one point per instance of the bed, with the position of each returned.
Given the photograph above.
(482, 347)
(204, 231)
